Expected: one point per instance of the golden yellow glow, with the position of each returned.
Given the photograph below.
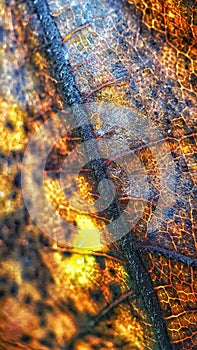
(171, 14)
(81, 345)
(8, 203)
(88, 234)
(186, 147)
(11, 126)
(39, 60)
(85, 189)
(129, 328)
(114, 93)
(80, 268)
